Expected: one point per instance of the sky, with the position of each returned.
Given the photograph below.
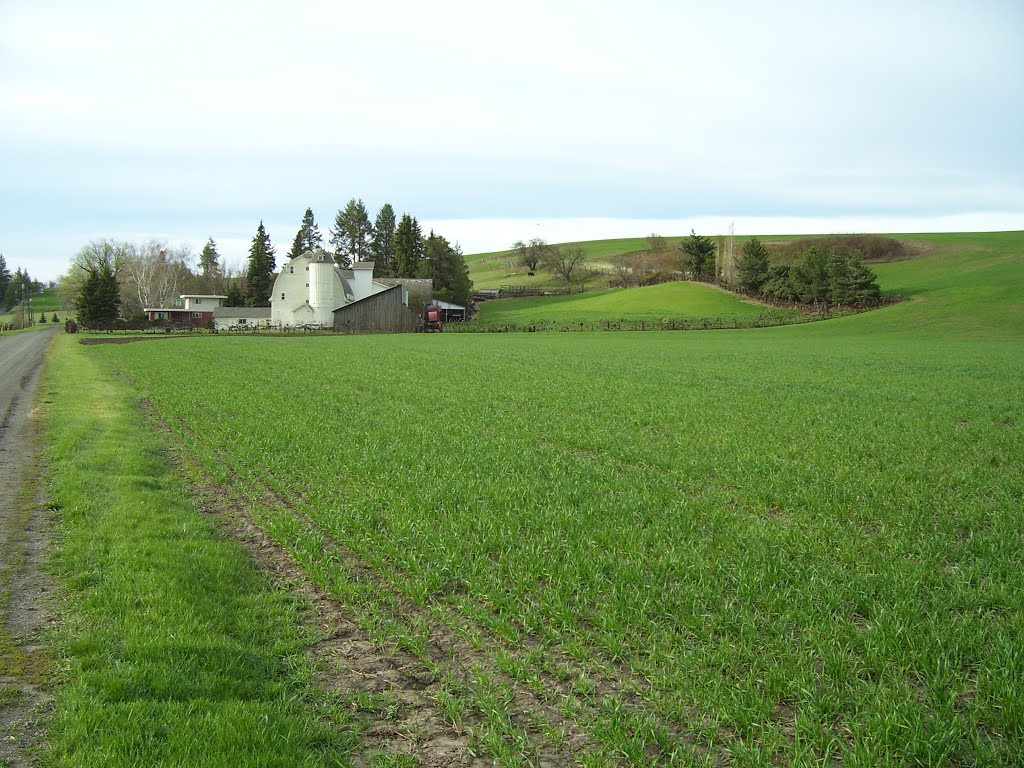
(494, 121)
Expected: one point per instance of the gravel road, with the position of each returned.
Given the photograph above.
(24, 539)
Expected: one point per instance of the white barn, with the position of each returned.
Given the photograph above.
(311, 286)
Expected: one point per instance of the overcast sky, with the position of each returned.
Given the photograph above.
(499, 121)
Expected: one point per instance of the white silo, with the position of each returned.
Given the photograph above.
(322, 280)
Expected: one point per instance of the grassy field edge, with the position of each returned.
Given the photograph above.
(174, 648)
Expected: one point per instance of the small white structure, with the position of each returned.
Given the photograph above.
(240, 318)
(311, 286)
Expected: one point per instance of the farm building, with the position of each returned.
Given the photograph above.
(233, 318)
(311, 286)
(386, 311)
(191, 310)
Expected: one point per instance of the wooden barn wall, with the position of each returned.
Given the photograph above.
(381, 313)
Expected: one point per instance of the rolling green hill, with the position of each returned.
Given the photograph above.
(673, 300)
(48, 301)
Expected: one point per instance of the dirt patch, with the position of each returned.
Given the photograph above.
(90, 340)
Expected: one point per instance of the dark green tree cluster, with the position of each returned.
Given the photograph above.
(698, 256)
(16, 287)
(819, 277)
(448, 270)
(99, 296)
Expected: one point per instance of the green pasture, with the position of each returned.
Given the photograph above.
(795, 545)
(48, 301)
(653, 302)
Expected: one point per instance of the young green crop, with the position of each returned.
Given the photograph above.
(788, 544)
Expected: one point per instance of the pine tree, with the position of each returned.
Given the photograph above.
(382, 249)
(99, 297)
(259, 275)
(352, 234)
(698, 256)
(409, 250)
(235, 296)
(865, 282)
(448, 270)
(308, 238)
(5, 278)
(810, 276)
(841, 289)
(209, 260)
(752, 265)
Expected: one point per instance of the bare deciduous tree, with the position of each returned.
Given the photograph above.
(155, 275)
(564, 263)
(533, 253)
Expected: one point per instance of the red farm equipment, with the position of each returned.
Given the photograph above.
(432, 318)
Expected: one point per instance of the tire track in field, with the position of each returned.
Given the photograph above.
(558, 714)
(573, 696)
(395, 691)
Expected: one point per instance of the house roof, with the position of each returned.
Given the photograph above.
(246, 312)
(203, 296)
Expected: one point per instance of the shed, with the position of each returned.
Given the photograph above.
(230, 318)
(382, 312)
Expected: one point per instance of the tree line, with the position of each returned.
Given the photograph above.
(15, 287)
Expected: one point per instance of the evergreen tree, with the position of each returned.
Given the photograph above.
(382, 249)
(448, 270)
(865, 282)
(55, 319)
(259, 275)
(841, 289)
(409, 250)
(18, 287)
(698, 256)
(308, 238)
(99, 297)
(352, 234)
(5, 278)
(209, 260)
(778, 285)
(752, 265)
(235, 296)
(810, 276)
(42, 318)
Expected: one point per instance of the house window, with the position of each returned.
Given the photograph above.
(307, 285)
(242, 321)
(175, 302)
(197, 314)
(161, 315)
(282, 297)
(291, 270)
(307, 269)
(199, 301)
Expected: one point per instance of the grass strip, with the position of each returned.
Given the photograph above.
(175, 649)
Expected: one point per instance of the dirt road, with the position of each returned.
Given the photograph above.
(24, 536)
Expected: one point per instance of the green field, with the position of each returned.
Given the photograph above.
(791, 545)
(653, 302)
(48, 301)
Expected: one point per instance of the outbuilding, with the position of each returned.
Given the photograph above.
(240, 318)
